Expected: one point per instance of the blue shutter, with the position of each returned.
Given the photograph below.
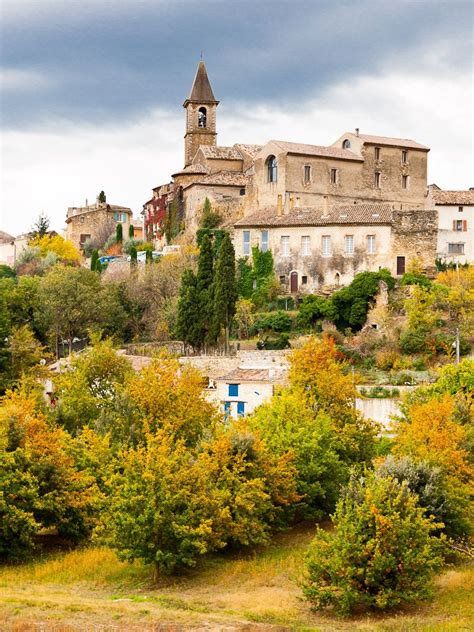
(241, 409)
(233, 390)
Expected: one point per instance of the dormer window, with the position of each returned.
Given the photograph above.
(346, 144)
(202, 117)
(272, 169)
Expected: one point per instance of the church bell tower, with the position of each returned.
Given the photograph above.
(200, 109)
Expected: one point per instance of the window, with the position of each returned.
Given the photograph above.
(456, 249)
(246, 243)
(346, 144)
(377, 179)
(457, 224)
(304, 280)
(120, 217)
(264, 241)
(326, 245)
(460, 209)
(240, 409)
(285, 246)
(305, 245)
(333, 176)
(405, 182)
(272, 169)
(233, 390)
(226, 410)
(242, 192)
(371, 244)
(307, 174)
(202, 117)
(349, 244)
(81, 219)
(377, 153)
(282, 279)
(82, 239)
(404, 156)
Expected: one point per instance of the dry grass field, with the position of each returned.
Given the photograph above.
(91, 590)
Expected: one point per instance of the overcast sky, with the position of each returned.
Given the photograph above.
(92, 90)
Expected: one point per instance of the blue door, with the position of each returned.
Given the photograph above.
(240, 409)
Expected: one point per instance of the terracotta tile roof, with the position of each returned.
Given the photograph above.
(223, 178)
(378, 213)
(386, 140)
(251, 150)
(252, 375)
(192, 169)
(223, 153)
(316, 150)
(456, 198)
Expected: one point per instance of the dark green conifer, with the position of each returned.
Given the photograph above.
(119, 233)
(225, 290)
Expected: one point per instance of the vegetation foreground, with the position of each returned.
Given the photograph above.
(91, 589)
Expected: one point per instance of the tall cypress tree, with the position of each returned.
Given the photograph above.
(225, 288)
(205, 289)
(119, 233)
(94, 259)
(187, 319)
(131, 231)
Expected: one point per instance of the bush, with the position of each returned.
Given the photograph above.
(380, 555)
(314, 308)
(411, 278)
(413, 340)
(386, 360)
(278, 322)
(282, 342)
(427, 482)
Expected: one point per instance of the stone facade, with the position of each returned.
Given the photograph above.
(86, 222)
(251, 185)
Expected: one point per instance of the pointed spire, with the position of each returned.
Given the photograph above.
(201, 92)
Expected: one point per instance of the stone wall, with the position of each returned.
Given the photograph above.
(414, 236)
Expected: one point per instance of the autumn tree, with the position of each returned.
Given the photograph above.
(319, 373)
(64, 249)
(380, 555)
(169, 396)
(427, 432)
(26, 352)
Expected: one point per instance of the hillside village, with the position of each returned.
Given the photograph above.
(282, 337)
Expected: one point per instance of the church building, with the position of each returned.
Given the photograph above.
(325, 212)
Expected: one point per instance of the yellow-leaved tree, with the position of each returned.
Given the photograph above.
(63, 248)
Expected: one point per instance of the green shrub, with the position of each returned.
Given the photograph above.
(411, 278)
(314, 308)
(278, 322)
(380, 555)
(413, 340)
(281, 342)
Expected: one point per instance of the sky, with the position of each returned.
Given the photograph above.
(92, 90)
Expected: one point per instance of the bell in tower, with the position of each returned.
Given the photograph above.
(200, 109)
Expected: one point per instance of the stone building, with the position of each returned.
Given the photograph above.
(456, 224)
(325, 212)
(90, 221)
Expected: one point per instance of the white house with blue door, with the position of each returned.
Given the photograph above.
(239, 392)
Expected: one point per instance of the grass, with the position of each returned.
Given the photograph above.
(91, 589)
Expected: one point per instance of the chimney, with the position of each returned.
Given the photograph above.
(286, 207)
(279, 205)
(325, 205)
(357, 132)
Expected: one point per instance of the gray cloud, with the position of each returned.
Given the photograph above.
(117, 60)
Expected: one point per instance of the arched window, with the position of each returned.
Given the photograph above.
(202, 117)
(346, 144)
(272, 170)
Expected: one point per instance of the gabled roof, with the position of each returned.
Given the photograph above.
(222, 178)
(242, 374)
(365, 213)
(220, 152)
(454, 198)
(387, 140)
(201, 91)
(316, 150)
(250, 150)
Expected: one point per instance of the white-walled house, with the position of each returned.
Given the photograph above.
(239, 392)
(315, 247)
(455, 224)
